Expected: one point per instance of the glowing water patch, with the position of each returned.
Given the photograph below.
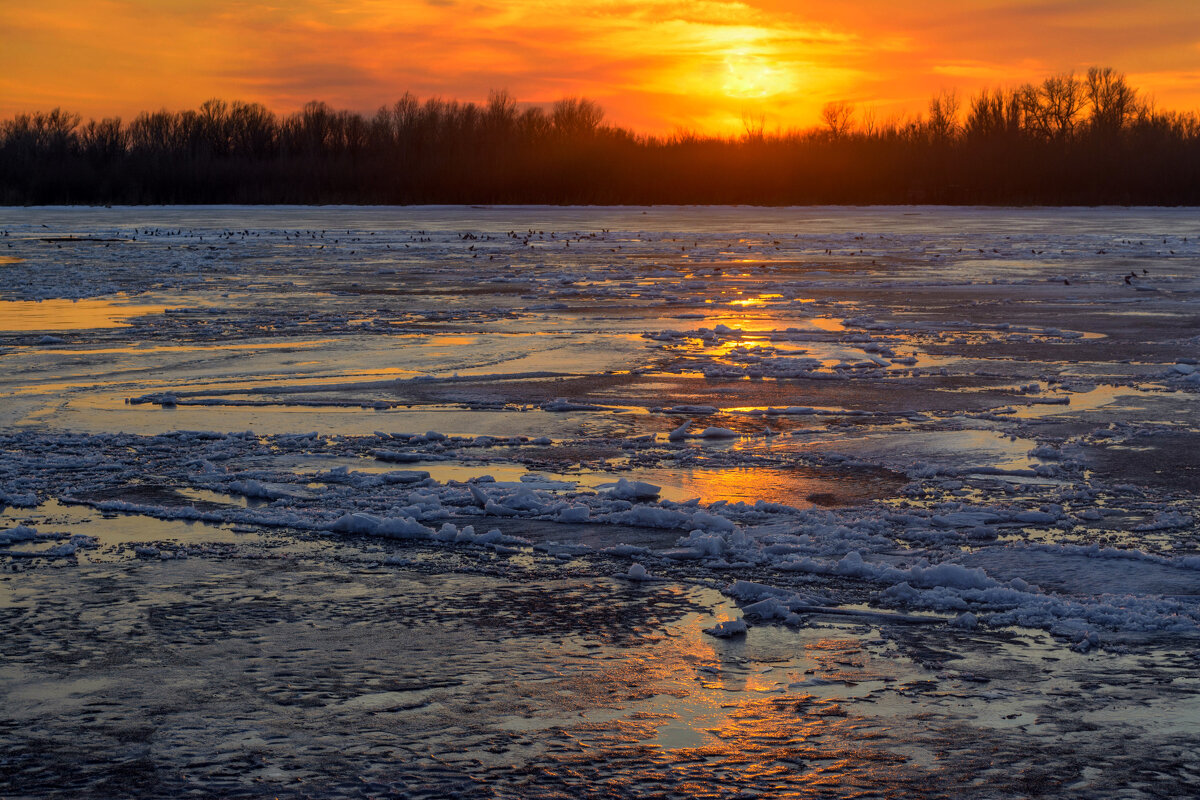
(69, 315)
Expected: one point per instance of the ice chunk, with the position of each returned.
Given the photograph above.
(637, 573)
(404, 476)
(634, 490)
(711, 522)
(575, 514)
(768, 608)
(718, 433)
(390, 527)
(685, 409)
(478, 496)
(708, 543)
(625, 550)
(965, 620)
(728, 629)
(1034, 517)
(257, 489)
(21, 533)
(398, 456)
(562, 404)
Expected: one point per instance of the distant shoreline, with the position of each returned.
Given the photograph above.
(1071, 141)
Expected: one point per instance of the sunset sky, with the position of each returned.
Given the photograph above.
(653, 65)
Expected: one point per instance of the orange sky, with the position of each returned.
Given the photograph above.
(653, 65)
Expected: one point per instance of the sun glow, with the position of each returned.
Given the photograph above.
(748, 75)
(711, 66)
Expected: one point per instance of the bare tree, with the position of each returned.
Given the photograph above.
(838, 116)
(533, 124)
(251, 129)
(50, 131)
(753, 125)
(103, 140)
(870, 123)
(1038, 143)
(684, 136)
(501, 114)
(1114, 102)
(576, 116)
(943, 116)
(986, 116)
(1053, 109)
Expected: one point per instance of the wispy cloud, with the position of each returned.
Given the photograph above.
(653, 64)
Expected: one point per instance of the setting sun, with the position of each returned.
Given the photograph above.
(753, 76)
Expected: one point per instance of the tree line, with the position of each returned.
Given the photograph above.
(1072, 139)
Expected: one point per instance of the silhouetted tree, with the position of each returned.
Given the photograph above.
(1065, 140)
(1114, 102)
(838, 117)
(943, 116)
(576, 117)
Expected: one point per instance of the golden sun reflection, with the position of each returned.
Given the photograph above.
(68, 315)
(755, 301)
(828, 324)
(763, 718)
(791, 487)
(728, 346)
(751, 320)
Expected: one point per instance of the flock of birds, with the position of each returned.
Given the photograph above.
(523, 237)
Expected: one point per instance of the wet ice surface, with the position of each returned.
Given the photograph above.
(412, 502)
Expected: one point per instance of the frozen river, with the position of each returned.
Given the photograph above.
(599, 502)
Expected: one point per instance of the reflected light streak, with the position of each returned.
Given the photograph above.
(756, 301)
(749, 485)
(828, 324)
(742, 716)
(68, 315)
